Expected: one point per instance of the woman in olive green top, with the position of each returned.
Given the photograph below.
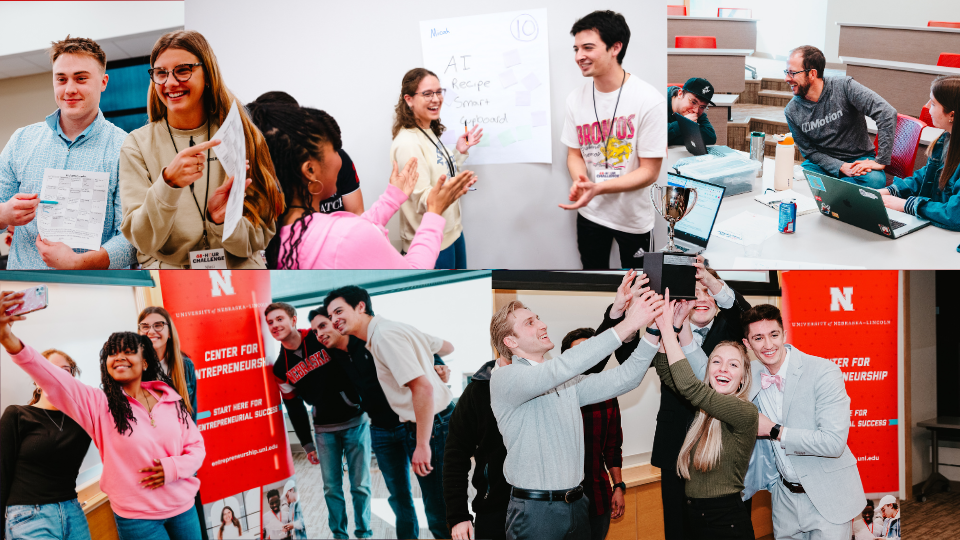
(716, 452)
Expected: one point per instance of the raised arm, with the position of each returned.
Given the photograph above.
(619, 380)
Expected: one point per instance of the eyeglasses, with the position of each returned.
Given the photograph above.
(430, 93)
(157, 327)
(795, 73)
(181, 73)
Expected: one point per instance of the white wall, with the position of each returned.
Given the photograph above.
(78, 322)
(892, 12)
(457, 312)
(331, 57)
(780, 26)
(31, 26)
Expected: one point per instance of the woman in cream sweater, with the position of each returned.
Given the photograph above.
(416, 134)
(172, 187)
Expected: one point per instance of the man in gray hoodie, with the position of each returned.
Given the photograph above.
(827, 118)
(537, 407)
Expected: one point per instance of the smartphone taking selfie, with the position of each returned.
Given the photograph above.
(34, 299)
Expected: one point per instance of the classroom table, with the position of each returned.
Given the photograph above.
(905, 85)
(935, 425)
(724, 68)
(731, 33)
(822, 240)
(921, 44)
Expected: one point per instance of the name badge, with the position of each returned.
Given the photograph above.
(602, 175)
(208, 259)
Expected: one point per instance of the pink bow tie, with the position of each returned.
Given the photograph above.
(767, 380)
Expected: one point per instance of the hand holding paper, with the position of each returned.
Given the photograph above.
(220, 201)
(232, 154)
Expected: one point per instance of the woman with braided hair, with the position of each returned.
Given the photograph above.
(304, 145)
(139, 423)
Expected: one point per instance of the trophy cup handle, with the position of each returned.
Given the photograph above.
(694, 203)
(656, 194)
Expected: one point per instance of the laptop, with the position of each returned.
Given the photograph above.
(692, 233)
(860, 206)
(693, 140)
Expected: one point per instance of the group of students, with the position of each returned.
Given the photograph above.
(727, 427)
(302, 204)
(827, 120)
(142, 420)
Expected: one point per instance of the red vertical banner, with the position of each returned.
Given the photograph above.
(219, 319)
(850, 318)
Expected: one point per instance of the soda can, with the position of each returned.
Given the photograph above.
(757, 141)
(788, 216)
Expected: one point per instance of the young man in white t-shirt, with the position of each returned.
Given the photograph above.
(617, 139)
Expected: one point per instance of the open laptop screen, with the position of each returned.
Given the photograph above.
(698, 224)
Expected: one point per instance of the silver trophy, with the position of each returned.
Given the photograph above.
(673, 203)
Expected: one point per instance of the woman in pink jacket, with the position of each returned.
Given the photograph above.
(149, 445)
(303, 144)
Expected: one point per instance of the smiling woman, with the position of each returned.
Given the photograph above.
(187, 103)
(139, 424)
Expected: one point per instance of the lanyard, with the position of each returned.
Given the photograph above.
(204, 244)
(453, 172)
(612, 120)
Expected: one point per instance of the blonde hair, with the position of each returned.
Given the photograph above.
(74, 370)
(501, 327)
(264, 202)
(705, 432)
(172, 356)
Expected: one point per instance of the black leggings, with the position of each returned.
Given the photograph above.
(721, 517)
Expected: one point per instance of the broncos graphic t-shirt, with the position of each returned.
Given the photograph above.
(638, 131)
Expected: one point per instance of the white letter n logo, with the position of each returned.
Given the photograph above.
(221, 283)
(841, 299)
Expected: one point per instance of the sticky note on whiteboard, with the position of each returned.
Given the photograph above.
(511, 58)
(508, 79)
(507, 138)
(523, 98)
(449, 137)
(531, 81)
(539, 118)
(523, 132)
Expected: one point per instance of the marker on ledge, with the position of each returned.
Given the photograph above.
(48, 202)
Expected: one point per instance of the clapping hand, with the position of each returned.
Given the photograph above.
(405, 180)
(581, 193)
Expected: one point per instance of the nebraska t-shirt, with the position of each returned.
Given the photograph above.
(638, 131)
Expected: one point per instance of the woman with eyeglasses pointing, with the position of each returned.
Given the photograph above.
(416, 134)
(173, 189)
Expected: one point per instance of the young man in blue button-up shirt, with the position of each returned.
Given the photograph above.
(75, 137)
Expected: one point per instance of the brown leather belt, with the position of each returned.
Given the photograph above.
(794, 488)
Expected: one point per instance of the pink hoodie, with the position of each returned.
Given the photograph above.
(345, 240)
(178, 447)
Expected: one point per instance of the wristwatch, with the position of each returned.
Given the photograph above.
(775, 431)
(621, 485)
(653, 331)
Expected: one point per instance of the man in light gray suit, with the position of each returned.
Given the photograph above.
(804, 463)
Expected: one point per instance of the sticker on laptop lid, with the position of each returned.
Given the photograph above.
(815, 182)
(818, 198)
(884, 229)
(834, 214)
(868, 194)
(825, 208)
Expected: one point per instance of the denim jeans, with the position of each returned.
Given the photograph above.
(431, 485)
(454, 257)
(873, 179)
(185, 526)
(390, 448)
(55, 521)
(354, 444)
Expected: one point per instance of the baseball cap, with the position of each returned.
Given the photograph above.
(887, 499)
(700, 88)
(289, 485)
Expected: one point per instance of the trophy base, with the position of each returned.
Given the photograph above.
(672, 270)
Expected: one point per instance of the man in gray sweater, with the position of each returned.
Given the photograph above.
(537, 407)
(827, 118)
